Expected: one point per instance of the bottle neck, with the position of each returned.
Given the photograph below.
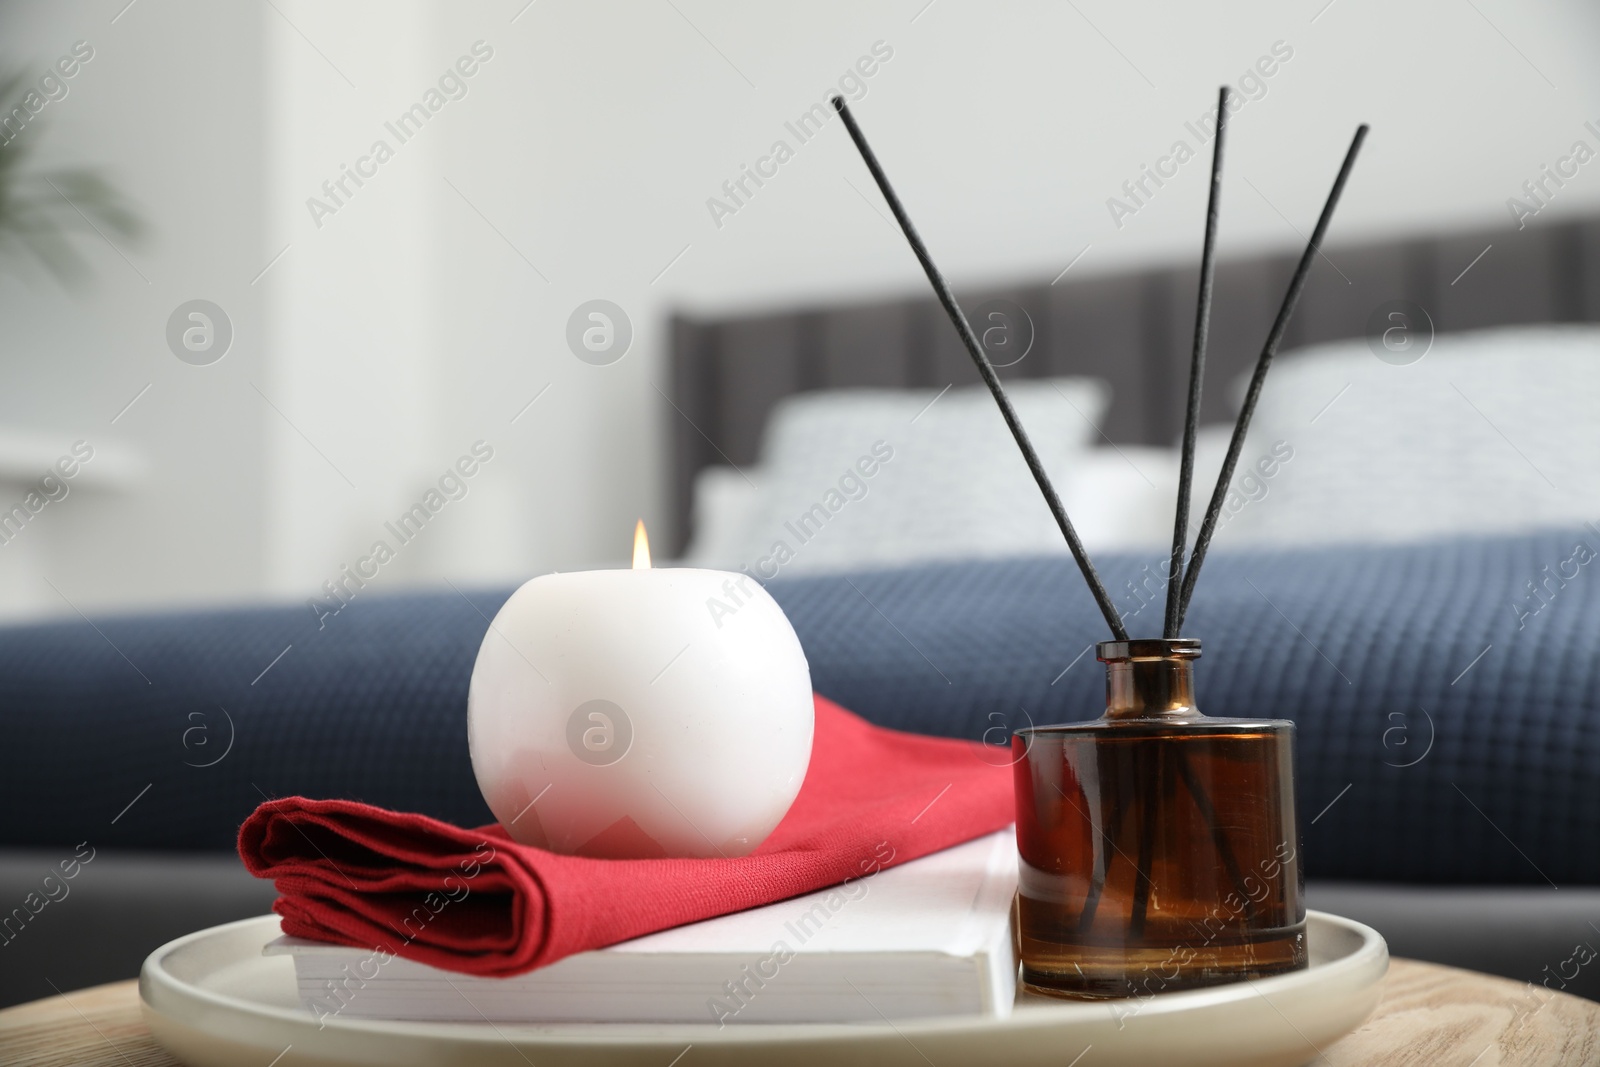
(1150, 679)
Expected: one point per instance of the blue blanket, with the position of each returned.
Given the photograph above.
(1449, 722)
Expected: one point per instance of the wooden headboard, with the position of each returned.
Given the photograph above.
(1134, 330)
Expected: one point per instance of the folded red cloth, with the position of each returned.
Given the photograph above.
(476, 901)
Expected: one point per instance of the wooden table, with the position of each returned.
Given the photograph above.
(1430, 1016)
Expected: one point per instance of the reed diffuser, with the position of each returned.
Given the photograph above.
(1160, 848)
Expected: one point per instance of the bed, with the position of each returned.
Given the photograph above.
(1449, 728)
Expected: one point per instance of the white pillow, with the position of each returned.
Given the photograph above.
(723, 499)
(872, 477)
(1493, 431)
(1120, 498)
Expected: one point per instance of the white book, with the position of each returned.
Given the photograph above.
(929, 937)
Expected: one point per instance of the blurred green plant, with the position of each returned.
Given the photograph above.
(41, 212)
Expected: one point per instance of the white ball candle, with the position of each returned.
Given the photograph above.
(644, 712)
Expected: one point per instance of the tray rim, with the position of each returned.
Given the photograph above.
(173, 1000)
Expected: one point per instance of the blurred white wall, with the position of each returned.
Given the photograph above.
(428, 309)
(173, 506)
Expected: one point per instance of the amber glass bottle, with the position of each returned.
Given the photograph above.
(1159, 846)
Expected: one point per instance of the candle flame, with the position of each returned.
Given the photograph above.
(641, 548)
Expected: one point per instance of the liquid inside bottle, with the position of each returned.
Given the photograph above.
(1159, 846)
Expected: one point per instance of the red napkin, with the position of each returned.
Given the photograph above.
(476, 901)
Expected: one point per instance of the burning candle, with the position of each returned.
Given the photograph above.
(643, 712)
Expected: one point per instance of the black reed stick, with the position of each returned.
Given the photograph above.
(1197, 368)
(986, 369)
(1147, 777)
(1259, 378)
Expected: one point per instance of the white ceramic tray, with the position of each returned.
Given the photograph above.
(214, 1001)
